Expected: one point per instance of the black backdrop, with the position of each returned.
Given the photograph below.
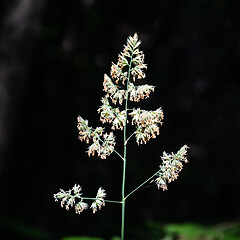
(53, 58)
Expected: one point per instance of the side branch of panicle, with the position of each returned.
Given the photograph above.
(104, 147)
(147, 124)
(68, 199)
(113, 91)
(73, 198)
(136, 93)
(111, 115)
(171, 166)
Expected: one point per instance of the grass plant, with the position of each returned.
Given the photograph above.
(121, 88)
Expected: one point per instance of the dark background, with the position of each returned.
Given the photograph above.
(53, 55)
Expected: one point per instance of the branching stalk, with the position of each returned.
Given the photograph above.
(141, 184)
(130, 137)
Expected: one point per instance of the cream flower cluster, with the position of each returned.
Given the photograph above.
(171, 166)
(99, 202)
(130, 61)
(68, 198)
(130, 56)
(111, 115)
(147, 124)
(136, 93)
(103, 147)
(113, 91)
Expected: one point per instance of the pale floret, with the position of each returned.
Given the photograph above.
(113, 91)
(68, 198)
(101, 193)
(171, 167)
(99, 202)
(85, 132)
(103, 147)
(147, 124)
(136, 93)
(111, 115)
(119, 72)
(81, 206)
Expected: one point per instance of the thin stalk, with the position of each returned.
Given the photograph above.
(105, 200)
(119, 155)
(141, 185)
(123, 200)
(125, 154)
(130, 137)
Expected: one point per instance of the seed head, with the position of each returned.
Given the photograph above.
(171, 167)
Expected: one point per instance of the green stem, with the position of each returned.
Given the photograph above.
(141, 184)
(130, 137)
(119, 154)
(123, 200)
(125, 153)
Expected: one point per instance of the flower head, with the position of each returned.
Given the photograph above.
(147, 124)
(171, 167)
(81, 206)
(136, 93)
(113, 91)
(99, 202)
(131, 52)
(68, 198)
(111, 115)
(105, 148)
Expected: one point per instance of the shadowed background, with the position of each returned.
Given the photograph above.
(53, 55)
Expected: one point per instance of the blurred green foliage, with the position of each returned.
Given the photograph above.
(157, 231)
(192, 231)
(87, 238)
(81, 238)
